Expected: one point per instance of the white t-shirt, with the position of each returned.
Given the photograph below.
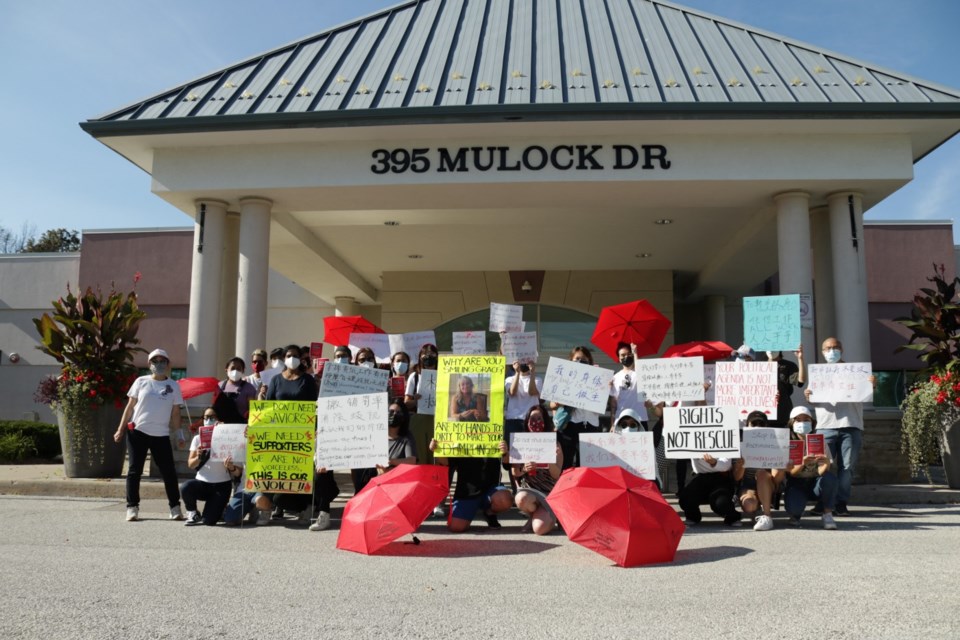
(155, 402)
(702, 466)
(585, 417)
(520, 404)
(213, 471)
(628, 396)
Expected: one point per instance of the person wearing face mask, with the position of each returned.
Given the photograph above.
(712, 484)
(522, 393)
(212, 484)
(789, 375)
(577, 420)
(232, 402)
(258, 362)
(535, 481)
(756, 487)
(366, 358)
(624, 392)
(151, 414)
(399, 370)
(841, 424)
(810, 480)
(402, 448)
(421, 423)
(343, 355)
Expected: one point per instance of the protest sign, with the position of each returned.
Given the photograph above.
(427, 403)
(352, 431)
(316, 349)
(630, 451)
(280, 446)
(671, 379)
(520, 347)
(506, 318)
(840, 382)
(469, 414)
(690, 432)
(205, 433)
(710, 379)
(379, 343)
(468, 343)
(747, 386)
(796, 452)
(815, 445)
(318, 365)
(397, 388)
(772, 323)
(578, 385)
(765, 448)
(229, 441)
(290, 413)
(347, 379)
(533, 447)
(411, 343)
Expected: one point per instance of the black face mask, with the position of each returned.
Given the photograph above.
(627, 361)
(429, 361)
(393, 419)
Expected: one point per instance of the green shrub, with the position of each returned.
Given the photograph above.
(44, 438)
(16, 447)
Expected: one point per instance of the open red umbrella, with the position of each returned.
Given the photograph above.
(391, 505)
(636, 322)
(618, 515)
(193, 387)
(337, 329)
(710, 350)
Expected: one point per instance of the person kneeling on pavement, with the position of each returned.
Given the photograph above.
(212, 483)
(712, 484)
(478, 488)
(758, 488)
(536, 481)
(812, 479)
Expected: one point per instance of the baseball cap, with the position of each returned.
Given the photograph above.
(158, 353)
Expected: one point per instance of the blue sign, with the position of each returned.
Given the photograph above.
(772, 323)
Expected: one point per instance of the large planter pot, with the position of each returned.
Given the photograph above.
(88, 447)
(950, 453)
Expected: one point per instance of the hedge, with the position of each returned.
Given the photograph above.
(44, 439)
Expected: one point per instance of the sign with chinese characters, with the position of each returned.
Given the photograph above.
(352, 431)
(772, 323)
(840, 382)
(578, 385)
(630, 451)
(671, 379)
(347, 380)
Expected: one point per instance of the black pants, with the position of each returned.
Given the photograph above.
(570, 443)
(214, 495)
(325, 491)
(138, 443)
(715, 489)
(361, 477)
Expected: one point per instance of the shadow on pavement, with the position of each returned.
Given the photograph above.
(708, 554)
(465, 547)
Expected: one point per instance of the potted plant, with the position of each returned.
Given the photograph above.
(94, 338)
(931, 410)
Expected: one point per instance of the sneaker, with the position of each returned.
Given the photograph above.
(816, 511)
(322, 523)
(492, 521)
(841, 510)
(828, 521)
(764, 523)
(734, 523)
(794, 521)
(133, 514)
(193, 519)
(278, 514)
(691, 522)
(438, 512)
(304, 516)
(176, 513)
(263, 518)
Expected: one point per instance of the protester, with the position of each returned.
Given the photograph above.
(399, 371)
(757, 487)
(343, 355)
(789, 375)
(521, 393)
(402, 448)
(478, 489)
(254, 505)
(711, 484)
(232, 402)
(624, 392)
(627, 422)
(810, 480)
(151, 414)
(570, 422)
(258, 363)
(841, 424)
(421, 417)
(536, 481)
(212, 483)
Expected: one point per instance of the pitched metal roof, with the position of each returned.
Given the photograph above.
(473, 57)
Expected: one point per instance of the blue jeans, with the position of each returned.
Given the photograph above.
(823, 489)
(844, 446)
(242, 503)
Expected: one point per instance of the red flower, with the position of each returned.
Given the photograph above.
(92, 393)
(941, 397)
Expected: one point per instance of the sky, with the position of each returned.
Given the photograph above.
(66, 61)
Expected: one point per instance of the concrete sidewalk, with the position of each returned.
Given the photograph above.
(48, 480)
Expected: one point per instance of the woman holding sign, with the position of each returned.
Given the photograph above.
(808, 475)
(536, 481)
(212, 484)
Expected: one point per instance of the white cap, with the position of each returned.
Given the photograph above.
(800, 411)
(158, 352)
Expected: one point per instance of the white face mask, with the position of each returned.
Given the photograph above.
(803, 428)
(771, 355)
(275, 364)
(292, 363)
(369, 364)
(209, 422)
(234, 375)
(158, 368)
(400, 368)
(832, 355)
(343, 360)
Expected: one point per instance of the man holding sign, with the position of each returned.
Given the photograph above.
(811, 478)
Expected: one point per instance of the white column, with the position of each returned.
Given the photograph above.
(849, 275)
(795, 259)
(205, 281)
(253, 268)
(346, 306)
(716, 307)
(825, 323)
(228, 292)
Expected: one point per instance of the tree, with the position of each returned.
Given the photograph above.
(54, 241)
(934, 323)
(14, 242)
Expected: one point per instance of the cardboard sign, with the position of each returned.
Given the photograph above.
(710, 378)
(747, 386)
(765, 448)
(280, 459)
(796, 452)
(533, 447)
(671, 379)
(206, 433)
(316, 349)
(469, 342)
(318, 365)
(506, 318)
(690, 432)
(290, 413)
(631, 451)
(411, 343)
(815, 445)
(352, 431)
(427, 388)
(841, 382)
(397, 387)
(469, 424)
(379, 343)
(772, 323)
(520, 347)
(578, 385)
(347, 380)
(229, 441)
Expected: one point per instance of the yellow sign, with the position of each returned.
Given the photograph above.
(469, 415)
(287, 413)
(281, 442)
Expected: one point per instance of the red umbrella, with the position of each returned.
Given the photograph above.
(710, 350)
(618, 515)
(636, 322)
(337, 329)
(193, 387)
(391, 505)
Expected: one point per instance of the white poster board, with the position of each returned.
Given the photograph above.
(690, 432)
(630, 451)
(671, 379)
(533, 447)
(840, 382)
(228, 441)
(352, 431)
(469, 343)
(427, 404)
(765, 448)
(578, 385)
(378, 342)
(520, 347)
(747, 386)
(347, 379)
(411, 343)
(710, 378)
(506, 318)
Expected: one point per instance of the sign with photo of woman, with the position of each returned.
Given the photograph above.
(469, 421)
